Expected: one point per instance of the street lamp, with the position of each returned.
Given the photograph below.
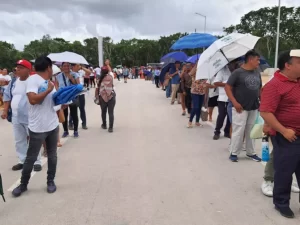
(278, 34)
(199, 14)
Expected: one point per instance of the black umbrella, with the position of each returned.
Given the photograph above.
(1, 188)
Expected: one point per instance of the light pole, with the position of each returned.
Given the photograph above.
(199, 14)
(278, 34)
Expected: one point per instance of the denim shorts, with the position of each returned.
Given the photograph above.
(229, 111)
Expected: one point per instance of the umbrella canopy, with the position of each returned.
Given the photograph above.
(66, 94)
(69, 57)
(1, 189)
(223, 51)
(164, 70)
(194, 40)
(55, 69)
(172, 57)
(193, 59)
(263, 60)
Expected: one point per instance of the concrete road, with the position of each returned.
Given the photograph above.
(152, 170)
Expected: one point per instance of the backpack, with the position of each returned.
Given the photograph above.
(9, 112)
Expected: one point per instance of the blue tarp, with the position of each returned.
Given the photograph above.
(67, 94)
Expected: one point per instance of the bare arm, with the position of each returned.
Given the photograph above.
(271, 120)
(35, 99)
(86, 70)
(228, 90)
(219, 84)
(6, 106)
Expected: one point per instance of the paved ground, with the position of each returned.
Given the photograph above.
(152, 171)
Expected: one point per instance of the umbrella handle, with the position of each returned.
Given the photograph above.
(3, 198)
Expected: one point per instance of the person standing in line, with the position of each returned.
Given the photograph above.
(42, 124)
(107, 96)
(75, 69)
(198, 91)
(175, 82)
(243, 90)
(15, 97)
(65, 79)
(87, 78)
(213, 94)
(186, 84)
(97, 71)
(280, 109)
(156, 76)
(125, 74)
(92, 78)
(220, 82)
(180, 91)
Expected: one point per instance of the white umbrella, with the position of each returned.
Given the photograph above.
(55, 69)
(69, 57)
(222, 51)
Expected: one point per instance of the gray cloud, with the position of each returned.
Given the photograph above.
(22, 21)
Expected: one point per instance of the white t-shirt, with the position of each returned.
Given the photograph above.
(98, 71)
(212, 92)
(18, 92)
(81, 76)
(222, 76)
(41, 117)
(5, 77)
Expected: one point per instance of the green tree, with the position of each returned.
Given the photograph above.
(263, 23)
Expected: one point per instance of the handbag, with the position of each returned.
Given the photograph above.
(76, 99)
(204, 109)
(257, 129)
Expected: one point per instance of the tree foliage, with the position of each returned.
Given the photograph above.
(135, 52)
(263, 23)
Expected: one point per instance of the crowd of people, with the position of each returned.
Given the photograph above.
(27, 96)
(238, 92)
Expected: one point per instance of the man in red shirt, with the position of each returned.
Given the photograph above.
(280, 108)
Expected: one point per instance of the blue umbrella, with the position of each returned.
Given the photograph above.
(67, 94)
(194, 40)
(193, 59)
(263, 60)
(164, 70)
(172, 57)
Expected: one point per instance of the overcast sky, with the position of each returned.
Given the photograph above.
(22, 21)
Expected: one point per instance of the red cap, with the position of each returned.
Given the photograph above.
(24, 63)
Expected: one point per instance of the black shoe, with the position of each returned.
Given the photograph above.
(37, 168)
(84, 127)
(103, 126)
(110, 130)
(17, 167)
(19, 190)
(285, 212)
(216, 137)
(71, 127)
(227, 136)
(51, 187)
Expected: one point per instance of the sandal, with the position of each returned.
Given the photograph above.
(190, 125)
(45, 153)
(59, 145)
(199, 125)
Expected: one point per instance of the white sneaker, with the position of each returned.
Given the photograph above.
(267, 188)
(295, 188)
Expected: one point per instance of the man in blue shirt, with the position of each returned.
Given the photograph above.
(175, 81)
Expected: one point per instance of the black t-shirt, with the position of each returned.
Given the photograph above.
(246, 86)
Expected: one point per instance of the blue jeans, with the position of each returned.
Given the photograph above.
(197, 101)
(169, 90)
